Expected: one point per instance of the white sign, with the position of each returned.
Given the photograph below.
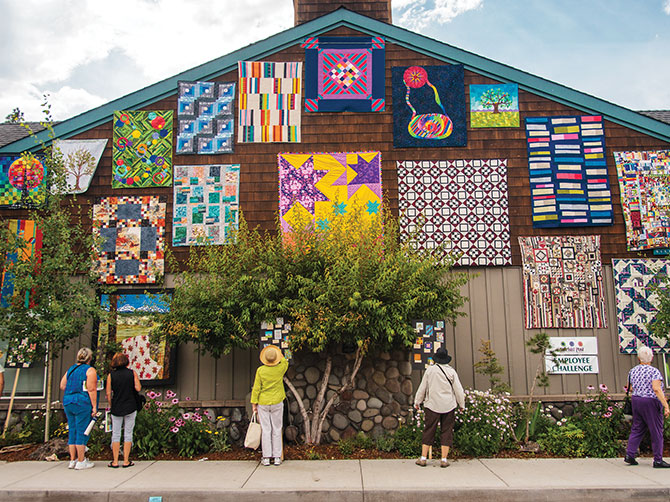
(587, 345)
(569, 365)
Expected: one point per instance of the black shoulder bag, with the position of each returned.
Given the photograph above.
(627, 404)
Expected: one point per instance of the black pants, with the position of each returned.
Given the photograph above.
(446, 421)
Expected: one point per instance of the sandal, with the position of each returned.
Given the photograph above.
(128, 465)
(111, 464)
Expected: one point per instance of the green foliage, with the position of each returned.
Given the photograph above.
(602, 421)
(486, 424)
(564, 440)
(385, 442)
(314, 455)
(219, 437)
(407, 437)
(488, 365)
(32, 427)
(494, 98)
(152, 431)
(360, 441)
(659, 326)
(15, 116)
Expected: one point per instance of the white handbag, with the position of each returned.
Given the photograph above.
(253, 438)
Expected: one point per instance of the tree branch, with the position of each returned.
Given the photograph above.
(319, 398)
(303, 411)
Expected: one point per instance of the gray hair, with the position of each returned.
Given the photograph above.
(645, 354)
(84, 355)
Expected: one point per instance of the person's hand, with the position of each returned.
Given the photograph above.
(94, 412)
(417, 406)
(666, 412)
(254, 406)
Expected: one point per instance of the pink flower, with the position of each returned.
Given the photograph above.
(590, 387)
(188, 398)
(603, 387)
(198, 419)
(175, 429)
(172, 419)
(179, 423)
(609, 408)
(169, 394)
(175, 401)
(152, 395)
(158, 394)
(186, 416)
(607, 415)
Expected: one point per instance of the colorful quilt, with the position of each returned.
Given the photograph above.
(277, 334)
(27, 231)
(344, 74)
(429, 106)
(636, 304)
(135, 315)
(142, 152)
(459, 204)
(429, 338)
(131, 233)
(494, 105)
(80, 159)
(316, 186)
(23, 182)
(569, 186)
(563, 282)
(205, 117)
(644, 181)
(269, 107)
(206, 204)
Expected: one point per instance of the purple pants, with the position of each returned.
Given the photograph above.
(647, 415)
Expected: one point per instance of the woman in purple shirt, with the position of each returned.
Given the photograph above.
(649, 408)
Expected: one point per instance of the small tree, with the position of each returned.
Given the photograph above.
(496, 99)
(346, 281)
(488, 365)
(659, 326)
(78, 164)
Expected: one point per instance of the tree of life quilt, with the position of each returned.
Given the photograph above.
(205, 117)
(644, 181)
(23, 182)
(205, 204)
(80, 159)
(563, 282)
(461, 205)
(269, 108)
(344, 74)
(131, 233)
(636, 303)
(316, 186)
(569, 186)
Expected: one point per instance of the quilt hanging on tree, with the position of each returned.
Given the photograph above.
(23, 182)
(278, 334)
(429, 338)
(636, 303)
(428, 106)
(460, 204)
(205, 117)
(644, 181)
(135, 315)
(131, 232)
(494, 105)
(563, 282)
(206, 204)
(142, 150)
(344, 74)
(320, 186)
(569, 186)
(269, 102)
(80, 160)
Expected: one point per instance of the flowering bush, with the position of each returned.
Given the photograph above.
(565, 440)
(486, 425)
(407, 437)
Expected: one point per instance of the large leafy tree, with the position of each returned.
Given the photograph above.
(496, 99)
(347, 282)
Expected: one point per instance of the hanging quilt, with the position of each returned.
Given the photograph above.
(32, 236)
(134, 316)
(142, 152)
(278, 334)
(429, 338)
(316, 186)
(569, 186)
(131, 232)
(269, 107)
(563, 282)
(428, 106)
(494, 105)
(206, 204)
(636, 303)
(344, 74)
(460, 204)
(80, 160)
(644, 182)
(23, 182)
(205, 117)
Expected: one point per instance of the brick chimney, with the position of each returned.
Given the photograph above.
(306, 10)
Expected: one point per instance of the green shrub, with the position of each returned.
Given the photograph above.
(358, 442)
(565, 440)
(407, 437)
(385, 442)
(602, 421)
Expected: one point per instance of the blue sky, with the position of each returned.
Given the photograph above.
(87, 52)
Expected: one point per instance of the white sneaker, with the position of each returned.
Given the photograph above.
(277, 461)
(86, 464)
(72, 464)
(266, 461)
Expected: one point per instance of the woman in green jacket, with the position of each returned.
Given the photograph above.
(267, 399)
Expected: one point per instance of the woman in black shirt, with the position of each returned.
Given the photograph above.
(121, 386)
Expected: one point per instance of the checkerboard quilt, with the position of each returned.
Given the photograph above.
(22, 182)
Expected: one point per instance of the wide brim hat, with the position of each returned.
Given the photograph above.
(442, 356)
(267, 359)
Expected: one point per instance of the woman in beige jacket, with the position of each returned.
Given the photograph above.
(440, 392)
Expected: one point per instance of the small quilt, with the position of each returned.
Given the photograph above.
(429, 338)
(80, 159)
(278, 334)
(494, 105)
(23, 182)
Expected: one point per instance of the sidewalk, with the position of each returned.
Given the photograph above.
(498, 480)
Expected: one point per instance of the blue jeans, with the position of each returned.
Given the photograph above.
(78, 418)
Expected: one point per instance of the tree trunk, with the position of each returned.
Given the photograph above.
(495, 108)
(47, 416)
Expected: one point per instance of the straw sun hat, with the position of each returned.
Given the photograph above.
(270, 355)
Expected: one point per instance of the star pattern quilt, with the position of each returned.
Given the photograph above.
(461, 205)
(563, 282)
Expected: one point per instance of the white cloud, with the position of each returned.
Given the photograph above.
(417, 14)
(666, 7)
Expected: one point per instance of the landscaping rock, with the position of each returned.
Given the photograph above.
(406, 387)
(293, 407)
(211, 414)
(333, 380)
(393, 385)
(379, 378)
(377, 431)
(371, 412)
(325, 426)
(395, 407)
(360, 394)
(568, 410)
(386, 410)
(236, 415)
(355, 416)
(384, 356)
(384, 395)
(310, 391)
(361, 405)
(367, 425)
(235, 434)
(405, 368)
(312, 375)
(556, 413)
(348, 432)
(340, 421)
(400, 398)
(334, 435)
(392, 372)
(373, 402)
(390, 423)
(57, 446)
(378, 419)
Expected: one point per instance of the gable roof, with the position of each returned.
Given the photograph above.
(11, 132)
(662, 115)
(393, 34)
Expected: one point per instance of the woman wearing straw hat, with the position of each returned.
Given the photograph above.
(267, 399)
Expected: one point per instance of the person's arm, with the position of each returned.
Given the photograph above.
(92, 388)
(138, 385)
(108, 389)
(459, 392)
(256, 391)
(658, 390)
(421, 391)
(63, 382)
